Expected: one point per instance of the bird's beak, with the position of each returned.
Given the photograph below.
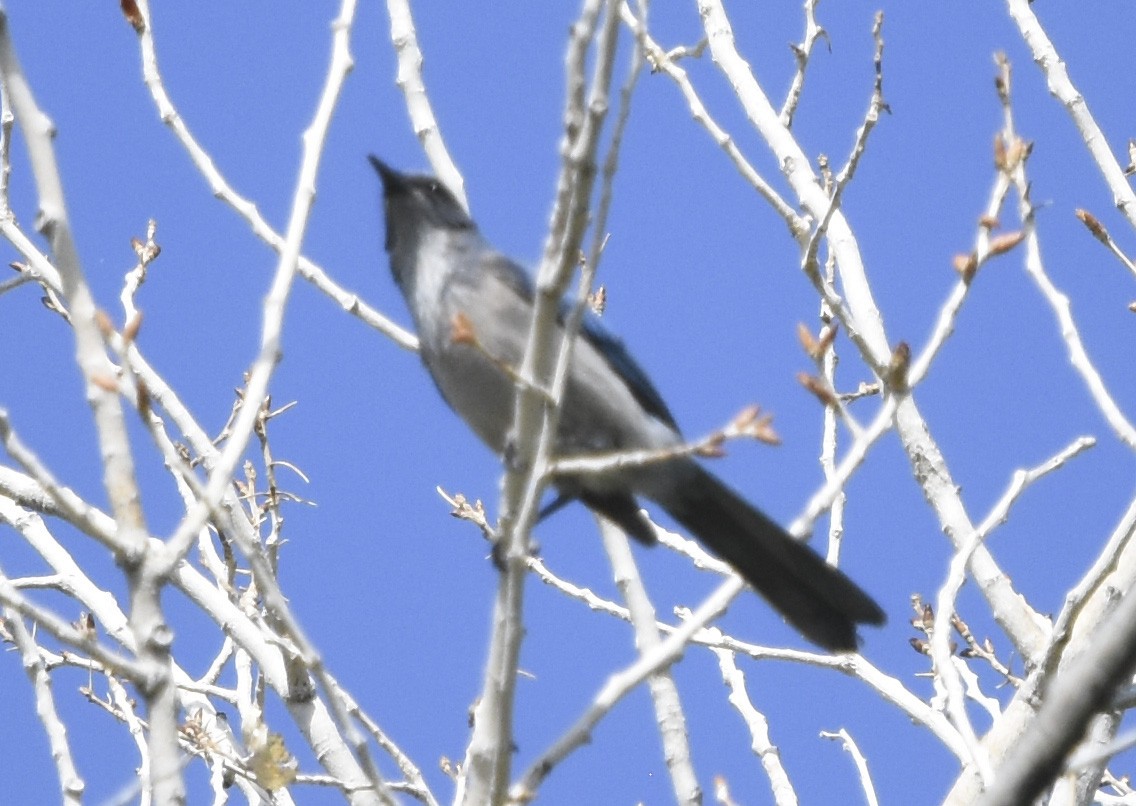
(393, 181)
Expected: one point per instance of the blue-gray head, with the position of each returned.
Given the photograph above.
(413, 202)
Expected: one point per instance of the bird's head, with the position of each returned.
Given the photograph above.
(415, 202)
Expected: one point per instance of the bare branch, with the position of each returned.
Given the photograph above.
(486, 771)
(667, 63)
(247, 210)
(669, 714)
(1076, 105)
(802, 53)
(71, 784)
(849, 744)
(623, 682)
(760, 743)
(413, 87)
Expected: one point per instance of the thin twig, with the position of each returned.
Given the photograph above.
(760, 743)
(849, 744)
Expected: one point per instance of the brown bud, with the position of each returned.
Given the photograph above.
(999, 152)
(133, 15)
(1003, 243)
(1093, 224)
(819, 388)
(988, 222)
(130, 332)
(763, 432)
(143, 399)
(745, 418)
(966, 266)
(751, 422)
(897, 368)
(805, 336)
(102, 321)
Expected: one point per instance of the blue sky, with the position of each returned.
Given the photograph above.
(704, 286)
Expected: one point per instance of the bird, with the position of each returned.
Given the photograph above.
(472, 309)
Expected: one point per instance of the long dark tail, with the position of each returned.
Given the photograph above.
(817, 599)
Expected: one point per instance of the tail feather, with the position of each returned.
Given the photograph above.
(817, 599)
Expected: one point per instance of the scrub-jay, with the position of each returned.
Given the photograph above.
(454, 282)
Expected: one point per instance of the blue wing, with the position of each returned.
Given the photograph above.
(607, 345)
(625, 367)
